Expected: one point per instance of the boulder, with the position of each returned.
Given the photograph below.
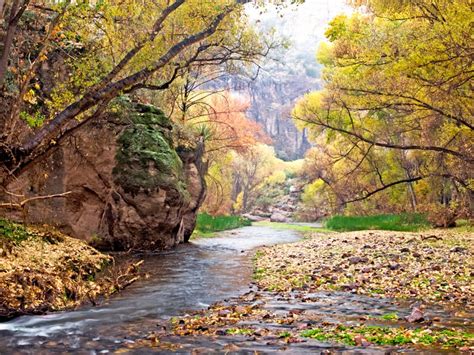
(131, 189)
(253, 218)
(279, 217)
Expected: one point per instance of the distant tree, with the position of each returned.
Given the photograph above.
(221, 119)
(250, 168)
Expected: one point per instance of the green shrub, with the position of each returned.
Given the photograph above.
(13, 232)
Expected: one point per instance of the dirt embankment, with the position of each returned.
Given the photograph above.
(43, 270)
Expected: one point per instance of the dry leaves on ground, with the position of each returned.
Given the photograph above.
(435, 266)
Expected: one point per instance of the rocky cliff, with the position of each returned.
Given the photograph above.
(271, 98)
(130, 188)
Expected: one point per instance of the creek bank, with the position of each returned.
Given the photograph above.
(43, 270)
(371, 291)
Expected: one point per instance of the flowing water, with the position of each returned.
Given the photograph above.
(192, 276)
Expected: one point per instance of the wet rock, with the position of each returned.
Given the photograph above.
(279, 217)
(296, 311)
(253, 218)
(358, 259)
(349, 287)
(416, 316)
(458, 249)
(241, 310)
(394, 267)
(361, 341)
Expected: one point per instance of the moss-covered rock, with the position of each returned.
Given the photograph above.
(146, 158)
(131, 188)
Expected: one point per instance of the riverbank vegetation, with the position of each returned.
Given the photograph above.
(395, 222)
(207, 225)
(393, 125)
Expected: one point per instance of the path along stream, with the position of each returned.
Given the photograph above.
(190, 277)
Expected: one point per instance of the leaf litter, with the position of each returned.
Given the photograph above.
(43, 270)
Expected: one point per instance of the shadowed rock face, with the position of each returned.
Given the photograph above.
(130, 189)
(272, 99)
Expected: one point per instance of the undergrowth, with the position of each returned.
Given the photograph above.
(43, 270)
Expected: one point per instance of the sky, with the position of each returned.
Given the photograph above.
(303, 25)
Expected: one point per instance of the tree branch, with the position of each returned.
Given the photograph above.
(22, 203)
(367, 195)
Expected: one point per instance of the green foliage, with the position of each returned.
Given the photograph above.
(13, 232)
(146, 158)
(389, 336)
(396, 222)
(33, 120)
(207, 223)
(240, 331)
(390, 316)
(396, 100)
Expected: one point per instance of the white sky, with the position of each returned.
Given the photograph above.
(304, 25)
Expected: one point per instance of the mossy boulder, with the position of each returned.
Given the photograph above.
(146, 157)
(130, 187)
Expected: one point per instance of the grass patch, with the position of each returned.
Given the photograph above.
(390, 336)
(13, 232)
(200, 234)
(240, 331)
(390, 316)
(291, 226)
(463, 225)
(207, 224)
(394, 222)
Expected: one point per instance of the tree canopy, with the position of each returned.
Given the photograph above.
(397, 103)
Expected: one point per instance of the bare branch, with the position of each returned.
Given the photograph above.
(22, 203)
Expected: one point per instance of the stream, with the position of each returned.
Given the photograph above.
(191, 276)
